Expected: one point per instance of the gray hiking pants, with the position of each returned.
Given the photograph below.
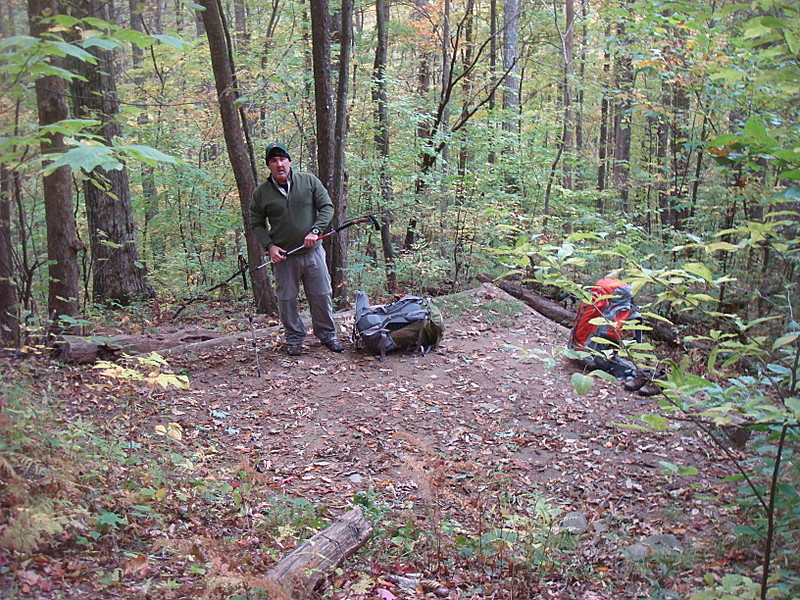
(310, 268)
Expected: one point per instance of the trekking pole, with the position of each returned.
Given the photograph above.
(365, 219)
(255, 346)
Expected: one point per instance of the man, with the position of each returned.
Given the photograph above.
(290, 210)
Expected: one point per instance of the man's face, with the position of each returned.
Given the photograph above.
(279, 167)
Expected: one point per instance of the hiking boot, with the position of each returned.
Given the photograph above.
(334, 346)
(294, 349)
(635, 384)
(651, 389)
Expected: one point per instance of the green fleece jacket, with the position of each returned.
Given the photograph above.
(285, 220)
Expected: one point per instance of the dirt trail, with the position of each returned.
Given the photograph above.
(479, 416)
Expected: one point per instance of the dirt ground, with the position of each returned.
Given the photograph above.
(485, 427)
(482, 407)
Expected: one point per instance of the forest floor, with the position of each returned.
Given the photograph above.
(484, 472)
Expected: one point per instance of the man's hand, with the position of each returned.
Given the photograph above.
(310, 240)
(276, 254)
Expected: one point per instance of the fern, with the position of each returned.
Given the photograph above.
(32, 527)
(6, 468)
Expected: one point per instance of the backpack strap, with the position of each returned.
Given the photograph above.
(420, 348)
(384, 343)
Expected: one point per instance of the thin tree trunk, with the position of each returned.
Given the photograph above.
(510, 56)
(149, 190)
(240, 21)
(379, 97)
(492, 65)
(623, 73)
(235, 143)
(581, 181)
(568, 49)
(9, 310)
(602, 142)
(63, 244)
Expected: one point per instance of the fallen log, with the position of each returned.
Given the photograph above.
(74, 349)
(542, 305)
(304, 570)
(227, 340)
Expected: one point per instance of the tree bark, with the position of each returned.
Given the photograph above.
(117, 274)
(510, 56)
(63, 244)
(9, 311)
(338, 243)
(380, 99)
(568, 49)
(149, 190)
(238, 155)
(623, 73)
(602, 142)
(323, 90)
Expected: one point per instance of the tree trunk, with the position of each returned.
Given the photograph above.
(9, 311)
(579, 184)
(240, 21)
(568, 50)
(510, 56)
(323, 90)
(338, 243)
(602, 142)
(238, 155)
(492, 65)
(379, 97)
(117, 274)
(63, 244)
(623, 74)
(149, 190)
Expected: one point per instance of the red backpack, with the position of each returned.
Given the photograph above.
(612, 300)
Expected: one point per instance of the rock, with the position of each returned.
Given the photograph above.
(636, 552)
(653, 545)
(600, 526)
(575, 523)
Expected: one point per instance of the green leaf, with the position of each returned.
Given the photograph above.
(102, 43)
(793, 404)
(147, 155)
(111, 519)
(132, 36)
(73, 51)
(656, 421)
(756, 129)
(700, 270)
(784, 340)
(86, 158)
(175, 42)
(581, 383)
(68, 127)
(724, 246)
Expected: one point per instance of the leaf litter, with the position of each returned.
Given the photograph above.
(477, 440)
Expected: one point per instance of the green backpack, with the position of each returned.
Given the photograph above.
(410, 322)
